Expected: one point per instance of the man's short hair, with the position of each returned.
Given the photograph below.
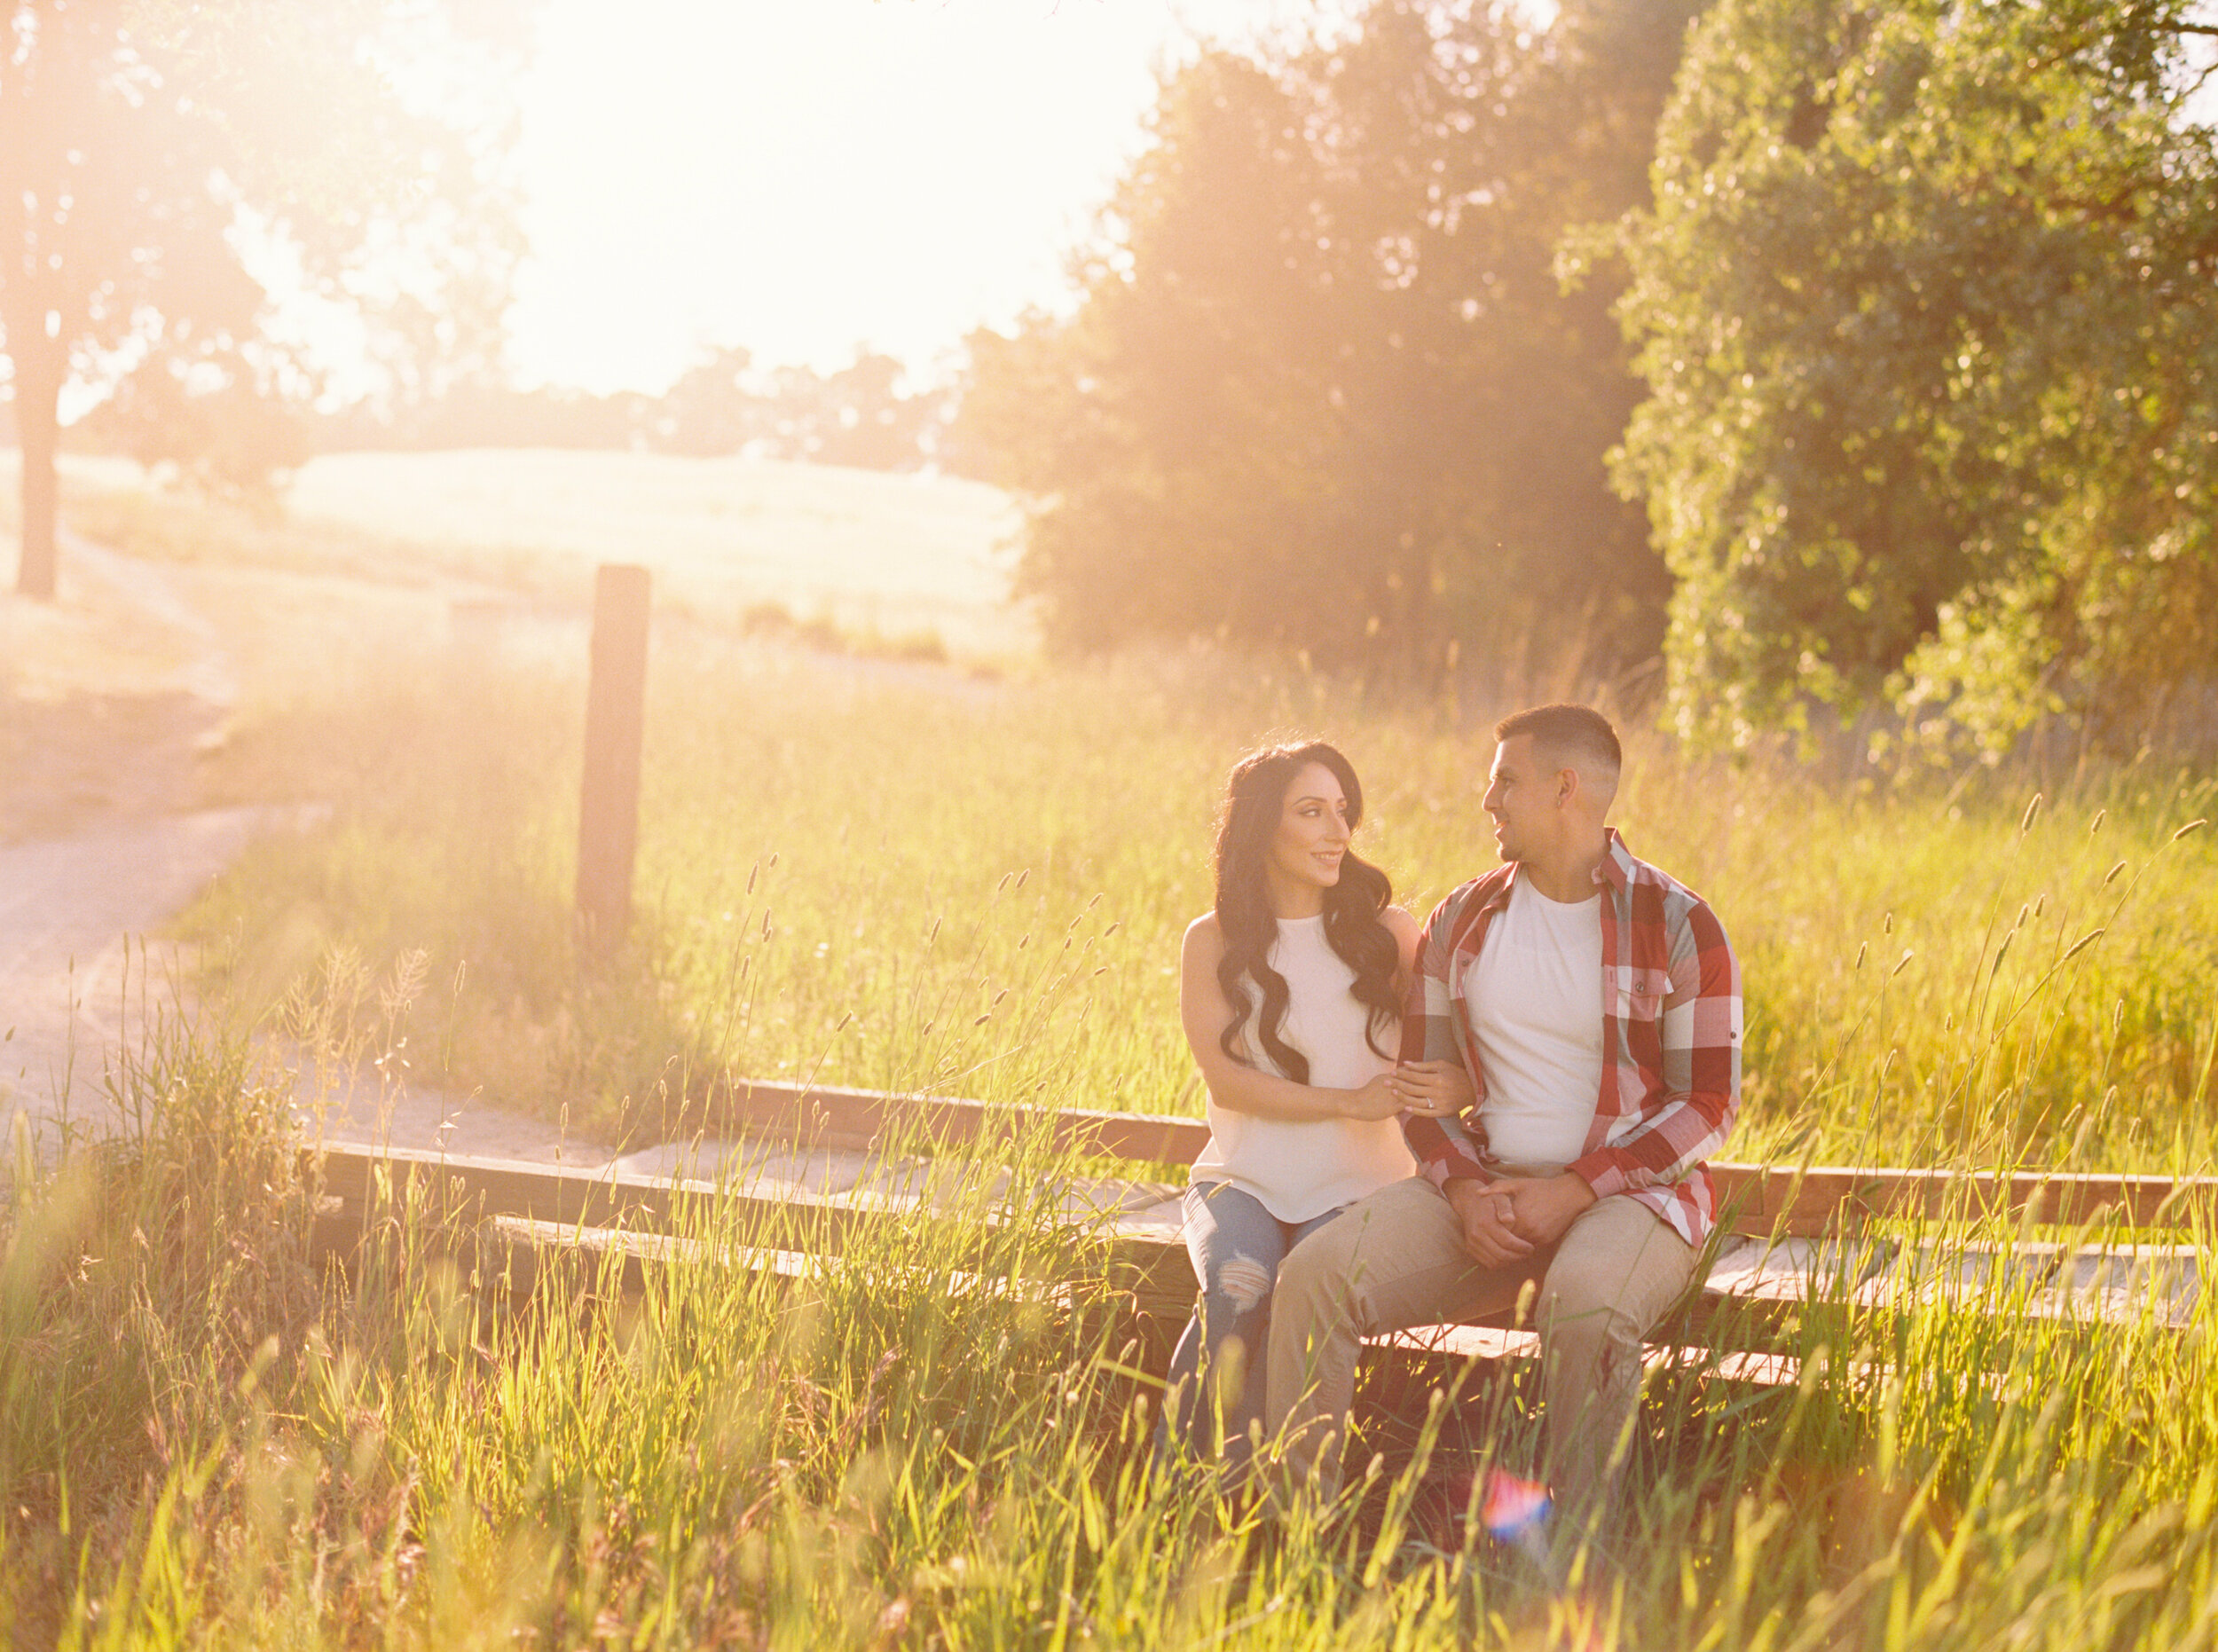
(1572, 731)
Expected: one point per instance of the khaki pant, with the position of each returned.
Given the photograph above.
(1396, 1259)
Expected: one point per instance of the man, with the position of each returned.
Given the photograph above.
(1597, 1006)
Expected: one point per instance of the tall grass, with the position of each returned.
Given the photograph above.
(885, 876)
(932, 1440)
(905, 877)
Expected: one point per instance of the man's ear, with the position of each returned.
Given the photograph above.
(1566, 786)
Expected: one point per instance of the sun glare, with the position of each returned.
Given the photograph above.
(803, 178)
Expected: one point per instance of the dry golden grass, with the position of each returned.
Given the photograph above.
(906, 875)
(875, 553)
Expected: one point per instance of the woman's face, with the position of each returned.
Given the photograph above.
(1313, 831)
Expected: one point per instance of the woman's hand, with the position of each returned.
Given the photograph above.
(1433, 1089)
(1376, 1101)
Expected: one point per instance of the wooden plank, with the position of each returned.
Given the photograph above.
(1753, 1199)
(475, 1190)
(1755, 1305)
(1799, 1248)
(497, 1187)
(829, 1115)
(1144, 1258)
(522, 1252)
(1756, 1198)
(1786, 1264)
(616, 700)
(1496, 1342)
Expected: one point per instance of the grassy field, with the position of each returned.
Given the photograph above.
(875, 873)
(874, 556)
(914, 876)
(200, 1445)
(881, 875)
(875, 553)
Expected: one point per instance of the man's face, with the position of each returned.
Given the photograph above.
(1520, 795)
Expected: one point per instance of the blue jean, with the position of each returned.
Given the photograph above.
(1217, 1370)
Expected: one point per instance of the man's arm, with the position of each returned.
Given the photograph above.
(1701, 1036)
(1444, 1147)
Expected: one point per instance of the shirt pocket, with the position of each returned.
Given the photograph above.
(1639, 994)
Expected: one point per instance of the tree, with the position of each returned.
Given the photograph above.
(1926, 315)
(145, 142)
(1323, 386)
(1172, 437)
(232, 435)
(856, 416)
(713, 408)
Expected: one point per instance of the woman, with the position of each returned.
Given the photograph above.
(1289, 991)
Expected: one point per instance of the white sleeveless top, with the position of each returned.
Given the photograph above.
(1301, 1171)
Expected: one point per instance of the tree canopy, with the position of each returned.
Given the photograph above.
(1927, 317)
(855, 415)
(147, 143)
(1323, 386)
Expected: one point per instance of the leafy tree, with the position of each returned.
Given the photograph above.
(146, 141)
(1175, 437)
(1926, 314)
(1323, 385)
(713, 408)
(480, 413)
(232, 435)
(857, 415)
(863, 420)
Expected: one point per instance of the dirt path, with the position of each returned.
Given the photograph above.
(107, 696)
(78, 975)
(110, 698)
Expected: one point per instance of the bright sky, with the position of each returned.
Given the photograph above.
(803, 176)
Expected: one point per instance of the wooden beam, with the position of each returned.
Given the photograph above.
(825, 1115)
(616, 712)
(1761, 1200)
(1752, 1199)
(374, 1183)
(1756, 1200)
(1757, 1297)
(371, 1185)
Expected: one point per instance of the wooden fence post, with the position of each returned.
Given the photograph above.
(616, 707)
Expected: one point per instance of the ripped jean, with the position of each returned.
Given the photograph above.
(1217, 1371)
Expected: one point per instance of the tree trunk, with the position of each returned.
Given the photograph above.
(37, 423)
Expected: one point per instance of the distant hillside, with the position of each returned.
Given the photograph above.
(896, 552)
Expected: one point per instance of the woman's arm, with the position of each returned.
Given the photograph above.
(1234, 1084)
(1408, 934)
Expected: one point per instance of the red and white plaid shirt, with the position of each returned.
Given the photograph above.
(1670, 1008)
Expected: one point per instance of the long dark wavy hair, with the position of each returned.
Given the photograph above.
(1255, 797)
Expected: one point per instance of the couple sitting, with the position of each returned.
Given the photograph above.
(1410, 1126)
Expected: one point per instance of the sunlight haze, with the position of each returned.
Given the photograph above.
(800, 179)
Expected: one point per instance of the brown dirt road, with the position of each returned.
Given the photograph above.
(112, 697)
(111, 700)
(107, 697)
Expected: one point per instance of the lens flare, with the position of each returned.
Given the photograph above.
(1514, 1508)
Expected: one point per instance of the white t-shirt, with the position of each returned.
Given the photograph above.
(1300, 1170)
(1534, 997)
